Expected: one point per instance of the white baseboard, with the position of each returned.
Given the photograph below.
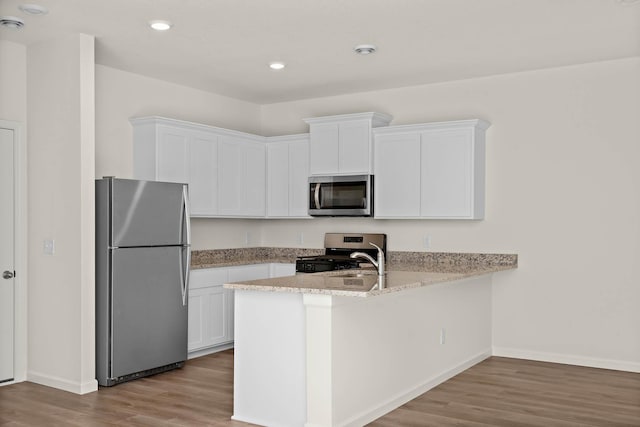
(567, 359)
(399, 400)
(209, 350)
(62, 384)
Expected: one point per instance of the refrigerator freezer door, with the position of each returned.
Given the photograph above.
(148, 213)
(149, 321)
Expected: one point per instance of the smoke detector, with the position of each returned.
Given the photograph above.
(364, 49)
(11, 22)
(33, 9)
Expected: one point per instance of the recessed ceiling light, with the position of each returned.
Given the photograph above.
(33, 9)
(11, 22)
(276, 65)
(365, 49)
(160, 25)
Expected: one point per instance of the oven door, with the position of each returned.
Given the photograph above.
(341, 195)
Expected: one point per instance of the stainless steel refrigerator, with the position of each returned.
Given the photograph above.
(142, 278)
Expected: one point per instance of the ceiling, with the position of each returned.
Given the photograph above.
(225, 46)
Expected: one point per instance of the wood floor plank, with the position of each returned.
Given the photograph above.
(496, 392)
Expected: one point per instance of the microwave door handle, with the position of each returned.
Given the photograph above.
(316, 195)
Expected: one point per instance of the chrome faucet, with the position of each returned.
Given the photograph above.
(379, 264)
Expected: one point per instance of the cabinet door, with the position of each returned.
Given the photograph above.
(173, 155)
(354, 147)
(298, 179)
(241, 177)
(447, 160)
(397, 175)
(324, 149)
(278, 179)
(196, 321)
(230, 176)
(253, 179)
(203, 170)
(209, 315)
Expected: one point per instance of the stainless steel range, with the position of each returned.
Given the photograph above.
(338, 248)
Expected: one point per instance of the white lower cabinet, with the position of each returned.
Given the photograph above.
(282, 270)
(210, 309)
(210, 324)
(433, 170)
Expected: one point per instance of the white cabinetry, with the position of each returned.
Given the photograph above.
(210, 309)
(282, 270)
(225, 169)
(431, 170)
(241, 173)
(210, 324)
(175, 152)
(287, 176)
(342, 145)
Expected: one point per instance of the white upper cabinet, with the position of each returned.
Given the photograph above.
(203, 173)
(397, 180)
(433, 170)
(342, 145)
(278, 179)
(172, 152)
(287, 176)
(225, 169)
(241, 173)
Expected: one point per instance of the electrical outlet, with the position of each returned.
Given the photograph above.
(300, 238)
(443, 335)
(247, 238)
(48, 246)
(426, 241)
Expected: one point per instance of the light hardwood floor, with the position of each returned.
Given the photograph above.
(496, 392)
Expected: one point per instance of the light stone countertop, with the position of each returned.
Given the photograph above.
(405, 270)
(364, 282)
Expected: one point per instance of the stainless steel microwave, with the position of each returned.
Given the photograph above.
(349, 195)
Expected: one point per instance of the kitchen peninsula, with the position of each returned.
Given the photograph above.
(332, 349)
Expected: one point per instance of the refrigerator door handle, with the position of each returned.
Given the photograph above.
(186, 215)
(187, 226)
(185, 280)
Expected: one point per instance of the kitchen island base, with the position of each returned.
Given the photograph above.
(318, 360)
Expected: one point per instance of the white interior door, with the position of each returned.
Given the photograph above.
(6, 254)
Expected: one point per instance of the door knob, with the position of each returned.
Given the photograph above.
(7, 274)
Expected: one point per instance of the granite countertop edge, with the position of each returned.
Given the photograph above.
(406, 270)
(276, 284)
(214, 258)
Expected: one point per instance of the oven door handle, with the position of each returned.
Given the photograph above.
(316, 195)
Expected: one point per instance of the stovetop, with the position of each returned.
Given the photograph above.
(338, 247)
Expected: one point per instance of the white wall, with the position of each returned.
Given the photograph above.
(121, 95)
(13, 82)
(60, 105)
(562, 180)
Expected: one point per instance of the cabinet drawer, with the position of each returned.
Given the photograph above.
(208, 277)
